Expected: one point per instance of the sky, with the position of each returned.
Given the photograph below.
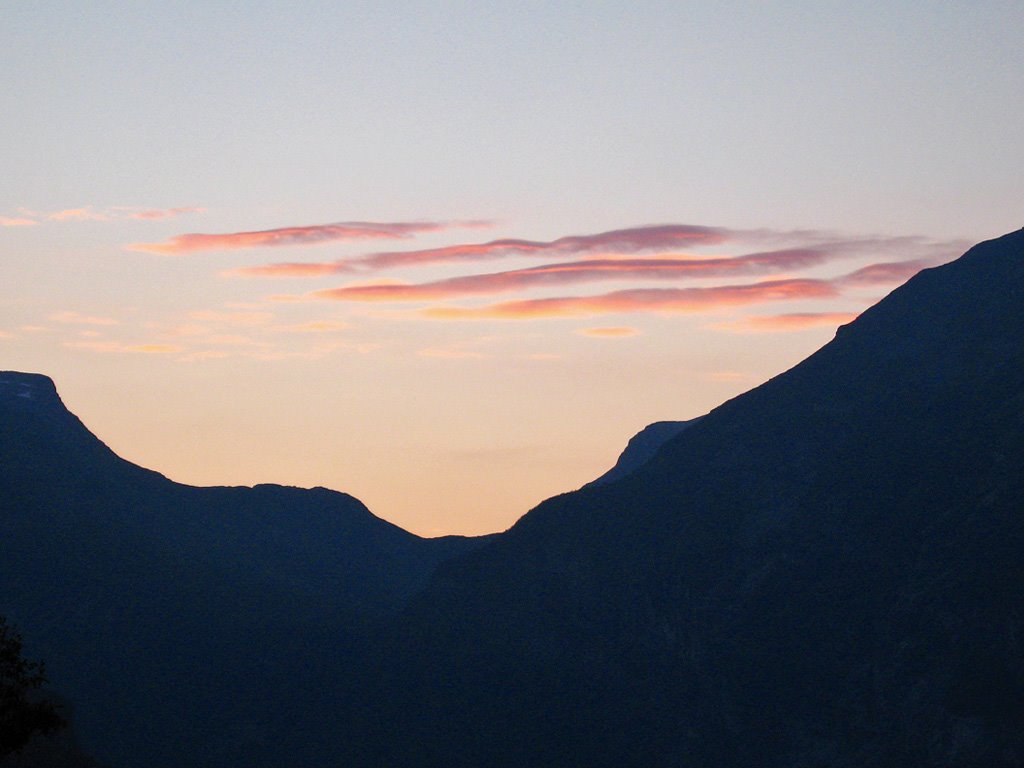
(448, 257)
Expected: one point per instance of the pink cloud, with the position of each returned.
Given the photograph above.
(662, 300)
(307, 235)
(88, 213)
(160, 213)
(578, 272)
(6, 221)
(672, 300)
(624, 242)
(633, 240)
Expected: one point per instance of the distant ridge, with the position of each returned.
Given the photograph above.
(642, 447)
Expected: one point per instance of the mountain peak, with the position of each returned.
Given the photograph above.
(15, 385)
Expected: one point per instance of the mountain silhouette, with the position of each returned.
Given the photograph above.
(825, 571)
(163, 609)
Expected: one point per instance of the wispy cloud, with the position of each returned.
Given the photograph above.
(304, 235)
(579, 272)
(268, 353)
(715, 270)
(612, 332)
(88, 213)
(673, 300)
(240, 330)
(890, 272)
(782, 266)
(28, 218)
(661, 300)
(623, 241)
(116, 347)
(153, 214)
(77, 318)
(18, 221)
(619, 241)
(660, 238)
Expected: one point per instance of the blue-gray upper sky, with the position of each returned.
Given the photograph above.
(905, 116)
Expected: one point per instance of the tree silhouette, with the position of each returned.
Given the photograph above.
(22, 714)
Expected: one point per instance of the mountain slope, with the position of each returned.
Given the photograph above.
(164, 609)
(642, 447)
(824, 571)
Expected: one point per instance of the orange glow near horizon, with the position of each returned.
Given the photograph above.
(402, 409)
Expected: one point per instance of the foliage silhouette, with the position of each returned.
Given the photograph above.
(21, 714)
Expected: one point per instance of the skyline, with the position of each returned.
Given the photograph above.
(450, 260)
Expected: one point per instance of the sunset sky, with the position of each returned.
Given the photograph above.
(449, 257)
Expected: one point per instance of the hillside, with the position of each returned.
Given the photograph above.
(642, 447)
(823, 571)
(163, 609)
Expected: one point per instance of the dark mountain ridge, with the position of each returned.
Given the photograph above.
(299, 535)
(826, 570)
(164, 609)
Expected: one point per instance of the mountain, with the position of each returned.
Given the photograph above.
(163, 609)
(825, 571)
(641, 448)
